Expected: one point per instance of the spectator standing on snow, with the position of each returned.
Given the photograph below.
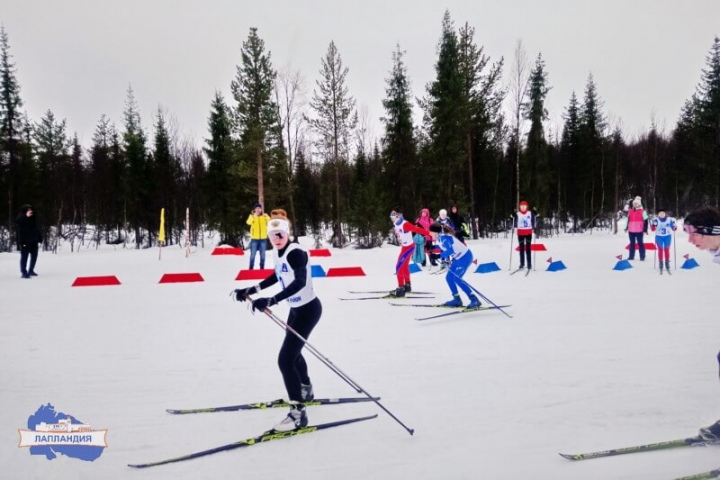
(419, 252)
(524, 223)
(258, 234)
(443, 219)
(424, 221)
(458, 221)
(28, 240)
(637, 226)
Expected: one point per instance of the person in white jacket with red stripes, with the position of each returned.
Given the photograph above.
(524, 223)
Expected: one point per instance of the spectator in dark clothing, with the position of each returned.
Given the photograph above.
(459, 223)
(28, 238)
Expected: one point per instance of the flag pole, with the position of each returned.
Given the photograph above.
(161, 235)
(187, 232)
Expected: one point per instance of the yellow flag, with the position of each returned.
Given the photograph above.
(161, 236)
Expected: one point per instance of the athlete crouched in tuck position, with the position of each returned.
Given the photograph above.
(460, 258)
(293, 273)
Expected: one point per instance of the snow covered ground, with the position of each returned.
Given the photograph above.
(592, 359)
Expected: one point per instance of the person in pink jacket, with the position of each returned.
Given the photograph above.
(637, 226)
(424, 221)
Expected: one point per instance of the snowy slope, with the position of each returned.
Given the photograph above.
(592, 359)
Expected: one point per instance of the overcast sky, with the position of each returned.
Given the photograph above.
(78, 57)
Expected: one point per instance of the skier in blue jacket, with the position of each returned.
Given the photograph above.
(460, 258)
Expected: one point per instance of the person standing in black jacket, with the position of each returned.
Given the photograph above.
(458, 222)
(28, 239)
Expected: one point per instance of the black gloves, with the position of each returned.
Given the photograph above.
(263, 303)
(242, 293)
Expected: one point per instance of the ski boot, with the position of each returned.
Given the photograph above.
(295, 419)
(398, 292)
(306, 392)
(474, 302)
(455, 302)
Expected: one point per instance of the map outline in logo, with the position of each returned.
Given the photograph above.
(50, 433)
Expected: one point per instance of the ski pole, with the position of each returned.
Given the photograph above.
(512, 239)
(480, 294)
(655, 255)
(326, 361)
(533, 253)
(674, 251)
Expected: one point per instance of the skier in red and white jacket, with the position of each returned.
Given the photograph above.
(404, 232)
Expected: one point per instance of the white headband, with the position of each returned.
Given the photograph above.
(278, 225)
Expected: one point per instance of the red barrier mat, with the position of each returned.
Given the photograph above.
(228, 251)
(345, 272)
(96, 281)
(254, 274)
(648, 246)
(534, 247)
(181, 278)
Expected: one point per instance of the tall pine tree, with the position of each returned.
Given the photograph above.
(256, 110)
(708, 120)
(219, 186)
(480, 113)
(537, 180)
(398, 142)
(570, 168)
(51, 146)
(167, 179)
(334, 122)
(444, 119)
(592, 146)
(15, 190)
(138, 181)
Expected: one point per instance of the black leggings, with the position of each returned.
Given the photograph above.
(25, 252)
(524, 242)
(290, 360)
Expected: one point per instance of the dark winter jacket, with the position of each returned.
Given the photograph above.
(28, 233)
(456, 219)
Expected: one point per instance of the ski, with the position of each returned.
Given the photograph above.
(279, 403)
(463, 310)
(432, 305)
(518, 270)
(389, 296)
(366, 292)
(528, 272)
(709, 475)
(262, 438)
(681, 442)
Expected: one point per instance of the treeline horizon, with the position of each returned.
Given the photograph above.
(314, 157)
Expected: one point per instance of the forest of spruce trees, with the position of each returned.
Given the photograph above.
(313, 158)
